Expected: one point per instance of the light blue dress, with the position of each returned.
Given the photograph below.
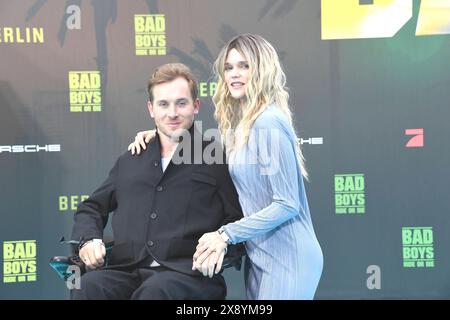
(284, 258)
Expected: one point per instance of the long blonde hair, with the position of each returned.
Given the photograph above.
(266, 86)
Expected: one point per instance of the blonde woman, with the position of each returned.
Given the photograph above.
(284, 259)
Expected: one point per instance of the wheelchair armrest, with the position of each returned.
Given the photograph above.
(61, 263)
(229, 262)
(60, 259)
(108, 241)
(234, 257)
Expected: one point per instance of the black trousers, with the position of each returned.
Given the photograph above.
(157, 283)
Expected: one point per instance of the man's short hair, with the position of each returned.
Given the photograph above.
(169, 72)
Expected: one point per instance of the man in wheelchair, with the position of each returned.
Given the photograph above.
(161, 205)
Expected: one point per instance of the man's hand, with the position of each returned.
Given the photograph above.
(92, 253)
(141, 140)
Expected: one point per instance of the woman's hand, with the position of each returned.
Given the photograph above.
(141, 140)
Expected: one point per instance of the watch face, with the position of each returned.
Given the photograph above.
(224, 236)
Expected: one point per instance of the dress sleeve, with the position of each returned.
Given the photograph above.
(277, 161)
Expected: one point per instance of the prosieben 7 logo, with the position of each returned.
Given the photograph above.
(358, 19)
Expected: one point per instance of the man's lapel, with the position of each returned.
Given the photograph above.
(153, 159)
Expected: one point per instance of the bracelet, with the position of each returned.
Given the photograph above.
(85, 242)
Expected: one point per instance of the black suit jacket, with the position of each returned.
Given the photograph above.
(159, 215)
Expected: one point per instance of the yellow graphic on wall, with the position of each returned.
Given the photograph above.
(207, 89)
(21, 35)
(352, 19)
(434, 17)
(19, 261)
(348, 19)
(71, 202)
(150, 34)
(85, 91)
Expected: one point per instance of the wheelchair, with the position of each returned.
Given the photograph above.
(61, 264)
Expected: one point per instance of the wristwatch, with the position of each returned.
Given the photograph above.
(224, 235)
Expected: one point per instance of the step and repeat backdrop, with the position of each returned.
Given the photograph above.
(369, 87)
